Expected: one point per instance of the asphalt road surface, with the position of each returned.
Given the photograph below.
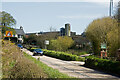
(73, 68)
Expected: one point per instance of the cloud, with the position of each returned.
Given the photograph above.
(58, 0)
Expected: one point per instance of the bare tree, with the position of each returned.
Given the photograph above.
(52, 29)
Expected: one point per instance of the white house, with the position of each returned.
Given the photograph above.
(19, 34)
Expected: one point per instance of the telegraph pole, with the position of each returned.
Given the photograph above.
(118, 19)
(111, 8)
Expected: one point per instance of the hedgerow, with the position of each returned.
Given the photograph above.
(15, 65)
(62, 55)
(103, 64)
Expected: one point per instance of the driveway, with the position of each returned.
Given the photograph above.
(73, 68)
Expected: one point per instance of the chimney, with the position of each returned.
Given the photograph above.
(21, 27)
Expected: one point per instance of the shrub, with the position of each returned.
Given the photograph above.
(61, 43)
(32, 49)
(76, 52)
(103, 64)
(15, 65)
(26, 69)
(62, 55)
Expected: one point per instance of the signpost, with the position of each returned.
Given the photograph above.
(9, 34)
(103, 46)
(103, 50)
(46, 43)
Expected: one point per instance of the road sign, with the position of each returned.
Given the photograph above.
(103, 46)
(9, 34)
(46, 42)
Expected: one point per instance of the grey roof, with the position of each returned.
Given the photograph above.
(20, 31)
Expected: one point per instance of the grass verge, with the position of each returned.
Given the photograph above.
(15, 65)
(52, 73)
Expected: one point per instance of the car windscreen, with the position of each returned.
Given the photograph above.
(38, 50)
(19, 45)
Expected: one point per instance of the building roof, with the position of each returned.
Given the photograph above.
(80, 39)
(29, 33)
(20, 31)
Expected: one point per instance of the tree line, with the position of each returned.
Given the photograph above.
(105, 30)
(7, 21)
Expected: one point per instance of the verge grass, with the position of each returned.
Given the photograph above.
(52, 73)
(15, 65)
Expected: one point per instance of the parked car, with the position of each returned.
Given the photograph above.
(37, 52)
(20, 46)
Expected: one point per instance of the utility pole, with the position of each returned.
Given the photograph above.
(111, 8)
(118, 16)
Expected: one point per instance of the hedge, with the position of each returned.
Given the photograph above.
(62, 55)
(103, 64)
(32, 49)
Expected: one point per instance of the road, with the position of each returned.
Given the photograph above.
(73, 68)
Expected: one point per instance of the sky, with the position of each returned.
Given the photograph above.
(36, 16)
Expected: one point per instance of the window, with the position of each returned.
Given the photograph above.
(19, 36)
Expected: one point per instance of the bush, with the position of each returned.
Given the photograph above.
(76, 52)
(15, 65)
(61, 43)
(32, 49)
(26, 69)
(62, 55)
(103, 64)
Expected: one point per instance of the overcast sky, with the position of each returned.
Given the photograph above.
(40, 16)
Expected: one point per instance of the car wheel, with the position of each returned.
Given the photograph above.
(41, 54)
(34, 54)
